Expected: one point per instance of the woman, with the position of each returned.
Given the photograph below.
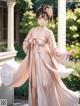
(42, 66)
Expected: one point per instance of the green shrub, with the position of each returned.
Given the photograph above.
(28, 21)
(73, 26)
(76, 56)
(75, 66)
(20, 53)
(22, 92)
(73, 80)
(53, 26)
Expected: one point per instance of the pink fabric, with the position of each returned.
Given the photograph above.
(21, 75)
(41, 65)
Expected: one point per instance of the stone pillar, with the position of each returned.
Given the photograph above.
(62, 24)
(10, 4)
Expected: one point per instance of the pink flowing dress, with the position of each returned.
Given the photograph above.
(41, 64)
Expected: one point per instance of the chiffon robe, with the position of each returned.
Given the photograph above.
(41, 66)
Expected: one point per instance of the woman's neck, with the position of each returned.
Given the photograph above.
(43, 27)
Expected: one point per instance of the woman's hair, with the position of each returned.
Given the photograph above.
(45, 10)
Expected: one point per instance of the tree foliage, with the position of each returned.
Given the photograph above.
(73, 26)
(23, 5)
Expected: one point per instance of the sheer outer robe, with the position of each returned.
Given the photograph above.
(32, 45)
(22, 73)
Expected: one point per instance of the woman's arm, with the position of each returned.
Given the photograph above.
(26, 41)
(61, 56)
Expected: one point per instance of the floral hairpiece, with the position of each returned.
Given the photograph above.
(48, 9)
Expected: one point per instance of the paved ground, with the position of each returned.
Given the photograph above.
(23, 102)
(20, 102)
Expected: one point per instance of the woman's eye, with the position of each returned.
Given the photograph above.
(42, 18)
(39, 18)
(46, 19)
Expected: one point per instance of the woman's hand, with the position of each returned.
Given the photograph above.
(72, 52)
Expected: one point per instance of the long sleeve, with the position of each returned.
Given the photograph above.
(26, 41)
(61, 56)
(21, 75)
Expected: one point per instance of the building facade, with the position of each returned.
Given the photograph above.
(4, 22)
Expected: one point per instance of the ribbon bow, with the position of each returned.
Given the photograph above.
(33, 42)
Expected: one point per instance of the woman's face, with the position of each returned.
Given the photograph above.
(42, 20)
